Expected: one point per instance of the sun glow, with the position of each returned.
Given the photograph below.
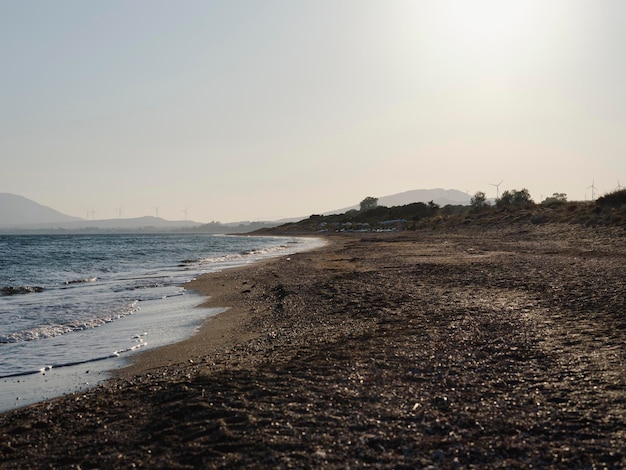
(485, 20)
(483, 30)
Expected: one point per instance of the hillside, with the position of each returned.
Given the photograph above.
(441, 197)
(609, 210)
(18, 211)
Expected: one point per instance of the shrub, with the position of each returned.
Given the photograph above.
(368, 203)
(614, 199)
(515, 198)
(479, 201)
(555, 199)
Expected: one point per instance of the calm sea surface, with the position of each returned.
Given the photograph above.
(69, 300)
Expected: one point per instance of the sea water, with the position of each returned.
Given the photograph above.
(75, 306)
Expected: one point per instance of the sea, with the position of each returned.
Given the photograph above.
(75, 306)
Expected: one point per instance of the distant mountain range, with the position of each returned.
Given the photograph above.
(146, 222)
(18, 212)
(441, 197)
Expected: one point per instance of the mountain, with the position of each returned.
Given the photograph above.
(18, 211)
(441, 197)
(138, 223)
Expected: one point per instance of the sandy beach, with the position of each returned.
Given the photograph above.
(470, 347)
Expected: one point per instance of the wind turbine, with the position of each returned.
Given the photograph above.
(593, 190)
(119, 212)
(619, 186)
(156, 211)
(185, 211)
(497, 188)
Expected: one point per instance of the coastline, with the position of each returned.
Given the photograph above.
(222, 330)
(492, 348)
(159, 321)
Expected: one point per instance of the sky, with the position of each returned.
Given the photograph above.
(240, 110)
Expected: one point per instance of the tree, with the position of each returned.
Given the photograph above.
(433, 208)
(556, 198)
(479, 201)
(522, 197)
(369, 203)
(514, 198)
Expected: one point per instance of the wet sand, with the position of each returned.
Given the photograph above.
(493, 348)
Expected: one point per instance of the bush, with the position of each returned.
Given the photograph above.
(555, 200)
(479, 202)
(515, 198)
(614, 199)
(368, 203)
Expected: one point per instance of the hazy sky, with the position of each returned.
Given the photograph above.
(258, 110)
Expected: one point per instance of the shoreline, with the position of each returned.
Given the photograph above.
(217, 331)
(491, 348)
(50, 382)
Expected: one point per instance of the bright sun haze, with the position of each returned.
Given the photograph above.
(246, 110)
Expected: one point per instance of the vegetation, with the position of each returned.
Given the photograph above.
(514, 198)
(479, 202)
(556, 198)
(514, 207)
(369, 203)
(614, 199)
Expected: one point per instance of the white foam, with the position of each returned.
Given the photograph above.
(142, 325)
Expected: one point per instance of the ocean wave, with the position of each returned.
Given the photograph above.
(17, 290)
(264, 251)
(245, 254)
(80, 281)
(50, 331)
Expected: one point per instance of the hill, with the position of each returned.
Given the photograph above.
(609, 210)
(18, 211)
(131, 224)
(441, 197)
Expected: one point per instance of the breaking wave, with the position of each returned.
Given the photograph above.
(50, 331)
(80, 281)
